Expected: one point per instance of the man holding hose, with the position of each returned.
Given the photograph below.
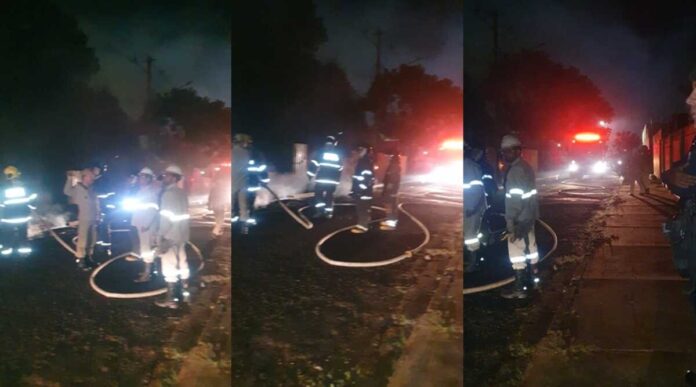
(521, 212)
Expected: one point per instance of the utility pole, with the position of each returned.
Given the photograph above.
(378, 46)
(495, 36)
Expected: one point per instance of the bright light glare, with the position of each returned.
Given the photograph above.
(620, 162)
(603, 124)
(452, 145)
(573, 167)
(587, 137)
(448, 174)
(600, 167)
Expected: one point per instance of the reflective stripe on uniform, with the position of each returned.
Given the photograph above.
(330, 165)
(473, 240)
(330, 156)
(484, 177)
(16, 220)
(20, 200)
(365, 197)
(311, 174)
(174, 217)
(518, 259)
(473, 183)
(532, 256)
(327, 181)
(359, 178)
(521, 193)
(253, 189)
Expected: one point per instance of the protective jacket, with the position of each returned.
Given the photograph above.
(86, 200)
(257, 172)
(521, 203)
(392, 177)
(145, 207)
(326, 166)
(240, 162)
(16, 201)
(363, 178)
(174, 216)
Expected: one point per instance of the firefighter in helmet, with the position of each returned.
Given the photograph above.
(16, 213)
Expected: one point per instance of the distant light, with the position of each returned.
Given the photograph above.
(573, 167)
(217, 168)
(603, 124)
(536, 280)
(587, 137)
(558, 145)
(600, 167)
(452, 145)
(202, 172)
(425, 153)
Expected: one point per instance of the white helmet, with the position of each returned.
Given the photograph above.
(510, 141)
(146, 171)
(175, 170)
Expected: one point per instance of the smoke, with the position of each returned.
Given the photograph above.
(185, 47)
(640, 75)
(45, 218)
(426, 34)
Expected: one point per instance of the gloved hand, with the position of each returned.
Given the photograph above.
(163, 246)
(523, 228)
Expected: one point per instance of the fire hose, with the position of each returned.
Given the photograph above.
(96, 271)
(307, 224)
(506, 281)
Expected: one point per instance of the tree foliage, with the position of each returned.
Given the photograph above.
(415, 106)
(542, 99)
(625, 141)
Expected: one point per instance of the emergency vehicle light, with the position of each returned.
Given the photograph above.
(587, 137)
(452, 145)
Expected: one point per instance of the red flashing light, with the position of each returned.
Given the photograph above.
(587, 137)
(452, 145)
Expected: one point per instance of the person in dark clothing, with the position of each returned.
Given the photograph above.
(363, 180)
(392, 180)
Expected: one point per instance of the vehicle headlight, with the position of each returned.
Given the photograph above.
(620, 162)
(573, 167)
(600, 167)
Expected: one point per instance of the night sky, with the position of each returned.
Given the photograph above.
(638, 56)
(430, 30)
(189, 43)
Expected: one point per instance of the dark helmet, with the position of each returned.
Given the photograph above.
(331, 140)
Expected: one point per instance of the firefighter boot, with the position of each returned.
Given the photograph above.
(170, 300)
(471, 262)
(82, 265)
(519, 289)
(145, 275)
(185, 294)
(533, 280)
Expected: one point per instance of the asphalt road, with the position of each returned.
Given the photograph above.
(494, 326)
(300, 321)
(56, 329)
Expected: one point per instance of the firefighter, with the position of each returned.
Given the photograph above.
(257, 178)
(16, 213)
(392, 180)
(363, 180)
(172, 236)
(240, 162)
(475, 206)
(487, 174)
(108, 199)
(82, 194)
(521, 212)
(143, 206)
(326, 167)
(220, 198)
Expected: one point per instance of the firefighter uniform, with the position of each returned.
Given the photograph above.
(173, 234)
(220, 198)
(326, 167)
(240, 162)
(521, 211)
(145, 208)
(475, 206)
(257, 177)
(16, 213)
(88, 217)
(392, 180)
(363, 181)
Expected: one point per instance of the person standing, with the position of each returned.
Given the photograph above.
(363, 180)
(240, 163)
(392, 180)
(16, 213)
(257, 175)
(474, 208)
(326, 167)
(172, 236)
(220, 198)
(521, 212)
(83, 195)
(145, 208)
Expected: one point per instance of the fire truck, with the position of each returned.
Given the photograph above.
(585, 152)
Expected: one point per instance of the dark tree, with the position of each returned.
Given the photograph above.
(542, 99)
(415, 106)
